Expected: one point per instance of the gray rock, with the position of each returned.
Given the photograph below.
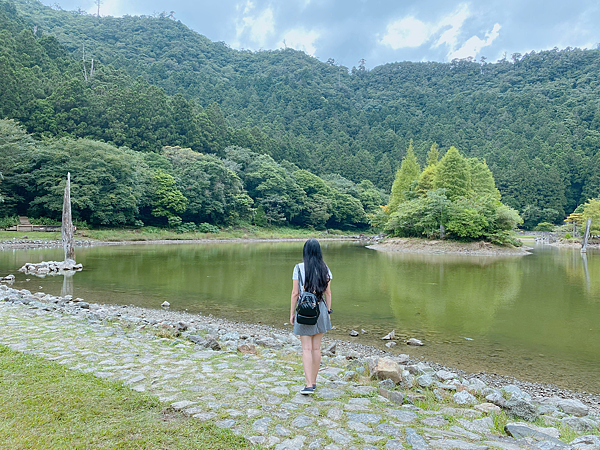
(394, 444)
(329, 394)
(580, 424)
(178, 406)
(335, 413)
(370, 438)
(231, 336)
(403, 416)
(302, 421)
(212, 344)
(291, 444)
(316, 444)
(353, 333)
(281, 430)
(364, 417)
(387, 384)
(515, 391)
(417, 442)
(464, 398)
(445, 375)
(339, 437)
(462, 432)
(227, 423)
(519, 407)
(415, 342)
(363, 390)
(520, 431)
(205, 416)
(573, 407)
(393, 396)
(390, 430)
(447, 444)
(359, 427)
(477, 385)
(261, 425)
(425, 380)
(257, 440)
(349, 375)
(484, 426)
(435, 421)
(588, 442)
(503, 443)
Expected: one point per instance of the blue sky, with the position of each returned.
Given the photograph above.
(380, 31)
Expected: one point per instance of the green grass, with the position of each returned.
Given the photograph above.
(153, 234)
(44, 405)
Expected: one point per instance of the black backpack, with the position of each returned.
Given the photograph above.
(307, 308)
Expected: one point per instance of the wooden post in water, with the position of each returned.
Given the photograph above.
(586, 235)
(67, 223)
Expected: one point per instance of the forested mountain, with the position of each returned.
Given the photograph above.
(535, 119)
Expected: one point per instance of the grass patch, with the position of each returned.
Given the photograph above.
(44, 405)
(155, 234)
(33, 235)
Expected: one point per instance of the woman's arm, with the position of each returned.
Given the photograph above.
(294, 299)
(327, 295)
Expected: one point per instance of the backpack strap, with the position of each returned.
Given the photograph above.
(300, 281)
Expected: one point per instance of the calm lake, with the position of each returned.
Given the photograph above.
(536, 317)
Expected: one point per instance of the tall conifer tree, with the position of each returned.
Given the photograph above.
(453, 175)
(409, 172)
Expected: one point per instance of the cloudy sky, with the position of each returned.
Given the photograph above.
(380, 31)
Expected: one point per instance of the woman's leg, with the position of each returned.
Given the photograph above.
(316, 357)
(307, 359)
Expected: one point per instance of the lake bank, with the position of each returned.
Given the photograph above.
(246, 378)
(416, 245)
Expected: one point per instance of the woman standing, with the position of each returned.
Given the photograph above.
(316, 277)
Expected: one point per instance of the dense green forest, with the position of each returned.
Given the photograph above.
(534, 119)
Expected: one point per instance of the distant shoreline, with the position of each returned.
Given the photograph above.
(416, 245)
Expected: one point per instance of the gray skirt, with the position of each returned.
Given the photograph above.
(323, 324)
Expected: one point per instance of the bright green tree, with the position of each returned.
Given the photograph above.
(166, 200)
(591, 209)
(482, 180)
(453, 175)
(405, 177)
(433, 156)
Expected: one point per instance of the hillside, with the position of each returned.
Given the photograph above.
(535, 118)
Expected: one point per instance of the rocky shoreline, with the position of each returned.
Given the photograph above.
(247, 377)
(415, 245)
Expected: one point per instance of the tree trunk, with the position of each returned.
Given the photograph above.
(68, 231)
(586, 235)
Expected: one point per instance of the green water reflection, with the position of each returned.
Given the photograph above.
(535, 317)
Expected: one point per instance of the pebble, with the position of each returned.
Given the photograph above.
(256, 392)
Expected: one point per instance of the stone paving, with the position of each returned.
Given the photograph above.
(256, 395)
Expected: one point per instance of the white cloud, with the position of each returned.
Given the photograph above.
(455, 22)
(113, 8)
(412, 32)
(406, 32)
(474, 44)
(259, 26)
(300, 39)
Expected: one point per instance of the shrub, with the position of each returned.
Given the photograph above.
(44, 221)
(544, 226)
(208, 228)
(10, 221)
(568, 236)
(188, 227)
(175, 221)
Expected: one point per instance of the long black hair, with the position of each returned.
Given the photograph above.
(316, 273)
